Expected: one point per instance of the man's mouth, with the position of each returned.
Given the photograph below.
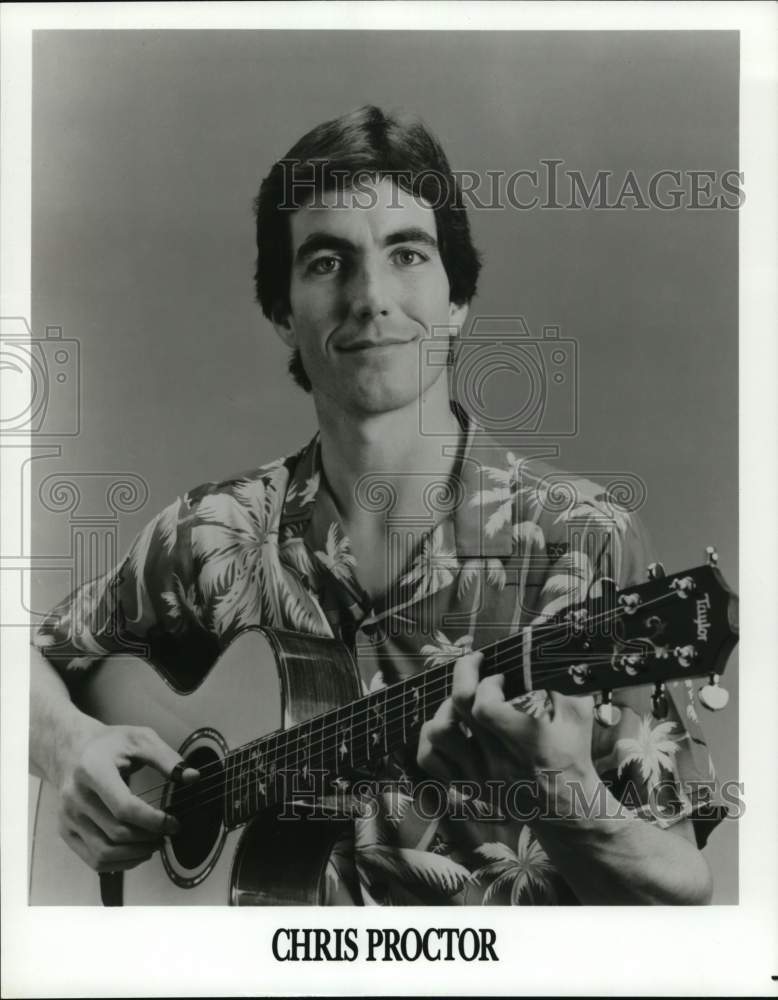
(368, 345)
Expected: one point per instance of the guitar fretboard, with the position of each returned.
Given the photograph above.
(299, 762)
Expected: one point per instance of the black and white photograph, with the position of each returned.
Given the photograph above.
(379, 448)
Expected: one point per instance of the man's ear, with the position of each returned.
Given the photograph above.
(458, 314)
(283, 324)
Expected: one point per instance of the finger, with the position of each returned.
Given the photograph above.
(183, 775)
(447, 731)
(142, 744)
(89, 804)
(104, 857)
(439, 765)
(437, 730)
(147, 746)
(579, 706)
(434, 763)
(104, 779)
(92, 834)
(465, 682)
(77, 845)
(444, 746)
(493, 713)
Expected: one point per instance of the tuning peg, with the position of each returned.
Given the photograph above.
(606, 713)
(711, 555)
(659, 701)
(712, 695)
(656, 571)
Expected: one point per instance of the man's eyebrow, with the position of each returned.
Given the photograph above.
(322, 241)
(414, 234)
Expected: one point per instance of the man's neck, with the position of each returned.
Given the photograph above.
(398, 444)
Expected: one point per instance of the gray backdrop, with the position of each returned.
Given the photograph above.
(148, 148)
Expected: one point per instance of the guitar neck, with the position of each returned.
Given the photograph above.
(346, 740)
(669, 627)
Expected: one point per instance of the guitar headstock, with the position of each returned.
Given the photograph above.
(677, 626)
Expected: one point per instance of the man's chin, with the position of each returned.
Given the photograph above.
(372, 397)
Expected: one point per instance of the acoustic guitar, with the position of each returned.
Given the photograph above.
(251, 830)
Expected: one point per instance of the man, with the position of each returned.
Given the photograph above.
(405, 532)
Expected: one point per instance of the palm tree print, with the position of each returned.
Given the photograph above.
(587, 500)
(307, 494)
(527, 871)
(236, 538)
(504, 494)
(400, 872)
(337, 556)
(473, 571)
(652, 749)
(163, 529)
(182, 603)
(434, 566)
(536, 704)
(570, 583)
(443, 650)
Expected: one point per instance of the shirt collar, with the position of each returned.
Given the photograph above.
(481, 471)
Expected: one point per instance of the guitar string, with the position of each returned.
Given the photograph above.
(359, 730)
(193, 803)
(291, 748)
(507, 645)
(439, 691)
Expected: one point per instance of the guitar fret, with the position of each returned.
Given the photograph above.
(376, 728)
(351, 734)
(236, 776)
(343, 748)
(403, 706)
(423, 698)
(242, 773)
(282, 764)
(271, 780)
(304, 754)
(230, 789)
(416, 708)
(245, 783)
(367, 730)
(318, 758)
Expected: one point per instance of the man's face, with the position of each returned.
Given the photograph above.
(367, 285)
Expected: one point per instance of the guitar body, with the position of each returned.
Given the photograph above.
(264, 681)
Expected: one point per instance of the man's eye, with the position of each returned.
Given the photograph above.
(408, 258)
(324, 265)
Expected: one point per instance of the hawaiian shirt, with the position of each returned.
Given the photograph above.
(509, 542)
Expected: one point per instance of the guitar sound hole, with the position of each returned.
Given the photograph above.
(199, 808)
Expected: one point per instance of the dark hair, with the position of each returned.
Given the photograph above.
(364, 142)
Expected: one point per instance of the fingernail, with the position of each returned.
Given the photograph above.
(171, 824)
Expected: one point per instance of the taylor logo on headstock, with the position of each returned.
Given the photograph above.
(702, 621)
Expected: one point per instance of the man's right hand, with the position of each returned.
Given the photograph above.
(107, 826)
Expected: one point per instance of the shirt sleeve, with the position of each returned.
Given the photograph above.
(660, 768)
(147, 606)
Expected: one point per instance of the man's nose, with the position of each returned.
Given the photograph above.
(369, 293)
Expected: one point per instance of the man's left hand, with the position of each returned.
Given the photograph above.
(478, 736)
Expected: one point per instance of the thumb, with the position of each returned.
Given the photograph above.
(149, 748)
